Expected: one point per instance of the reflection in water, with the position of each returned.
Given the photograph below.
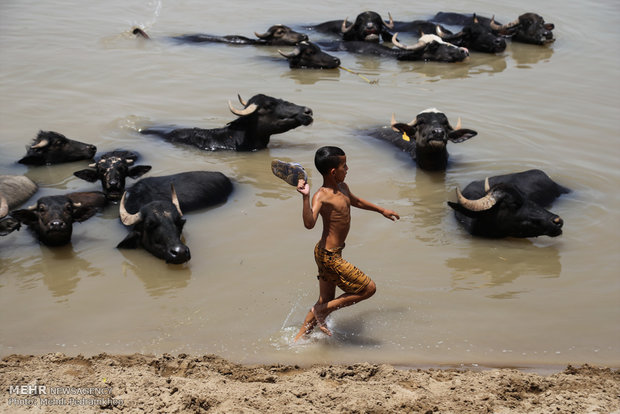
(479, 64)
(61, 269)
(525, 54)
(158, 277)
(312, 76)
(503, 264)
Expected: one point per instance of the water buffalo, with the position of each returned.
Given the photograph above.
(527, 28)
(112, 169)
(510, 205)
(277, 35)
(368, 27)
(50, 147)
(425, 138)
(52, 217)
(310, 56)
(428, 48)
(261, 117)
(14, 191)
(154, 206)
(473, 35)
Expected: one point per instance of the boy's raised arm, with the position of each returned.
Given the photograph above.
(367, 205)
(310, 213)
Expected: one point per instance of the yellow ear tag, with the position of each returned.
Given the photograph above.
(406, 137)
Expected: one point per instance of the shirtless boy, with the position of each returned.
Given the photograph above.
(333, 202)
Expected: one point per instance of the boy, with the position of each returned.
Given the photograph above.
(333, 202)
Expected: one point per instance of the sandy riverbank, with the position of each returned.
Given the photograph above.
(143, 383)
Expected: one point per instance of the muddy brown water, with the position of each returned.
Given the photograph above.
(443, 297)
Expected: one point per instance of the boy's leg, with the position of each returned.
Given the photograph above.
(321, 311)
(327, 292)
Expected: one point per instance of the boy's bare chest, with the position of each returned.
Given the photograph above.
(339, 203)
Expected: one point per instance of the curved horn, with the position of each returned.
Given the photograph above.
(93, 165)
(4, 207)
(487, 187)
(40, 144)
(390, 25)
(458, 124)
(241, 100)
(264, 35)
(481, 204)
(126, 218)
(344, 28)
(290, 55)
(402, 46)
(496, 26)
(393, 122)
(175, 199)
(247, 111)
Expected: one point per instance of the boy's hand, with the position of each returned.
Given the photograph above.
(392, 215)
(303, 187)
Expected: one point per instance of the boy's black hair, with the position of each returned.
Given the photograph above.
(327, 158)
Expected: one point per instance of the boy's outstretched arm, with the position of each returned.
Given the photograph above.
(310, 213)
(367, 205)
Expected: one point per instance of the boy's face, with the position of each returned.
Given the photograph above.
(340, 172)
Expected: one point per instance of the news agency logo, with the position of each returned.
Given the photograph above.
(28, 389)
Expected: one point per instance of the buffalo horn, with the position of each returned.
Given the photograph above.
(4, 207)
(247, 111)
(40, 144)
(344, 27)
(175, 199)
(265, 35)
(241, 100)
(290, 55)
(481, 204)
(393, 122)
(401, 46)
(126, 218)
(496, 26)
(487, 187)
(458, 124)
(93, 165)
(390, 25)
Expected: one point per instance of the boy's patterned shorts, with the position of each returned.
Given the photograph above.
(333, 268)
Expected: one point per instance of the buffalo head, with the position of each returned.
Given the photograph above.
(269, 116)
(505, 211)
(112, 169)
(157, 227)
(281, 35)
(52, 217)
(430, 132)
(53, 148)
(368, 27)
(528, 28)
(309, 55)
(431, 48)
(475, 36)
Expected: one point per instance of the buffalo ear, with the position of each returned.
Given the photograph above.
(406, 128)
(8, 226)
(25, 216)
(87, 174)
(138, 170)
(461, 135)
(132, 241)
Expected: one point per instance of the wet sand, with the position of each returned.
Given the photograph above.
(57, 383)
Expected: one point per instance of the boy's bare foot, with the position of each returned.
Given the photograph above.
(320, 320)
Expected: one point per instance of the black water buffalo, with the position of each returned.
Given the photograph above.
(527, 28)
(154, 206)
(14, 191)
(308, 55)
(428, 48)
(261, 117)
(52, 217)
(425, 138)
(112, 169)
(53, 148)
(510, 205)
(368, 27)
(473, 35)
(276, 35)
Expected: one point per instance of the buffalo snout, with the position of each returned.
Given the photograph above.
(178, 254)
